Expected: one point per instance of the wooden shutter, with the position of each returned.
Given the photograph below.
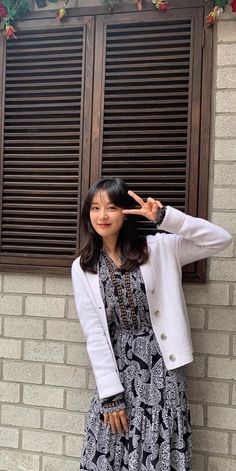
(150, 71)
(43, 125)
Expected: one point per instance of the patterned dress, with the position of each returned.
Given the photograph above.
(159, 437)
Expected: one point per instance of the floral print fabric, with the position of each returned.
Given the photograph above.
(159, 437)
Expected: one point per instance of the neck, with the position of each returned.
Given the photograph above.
(112, 250)
(110, 246)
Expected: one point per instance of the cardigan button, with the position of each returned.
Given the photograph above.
(153, 290)
(172, 358)
(156, 312)
(163, 336)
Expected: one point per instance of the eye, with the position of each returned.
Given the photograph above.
(94, 208)
(112, 207)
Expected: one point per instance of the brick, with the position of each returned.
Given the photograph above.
(234, 395)
(91, 380)
(226, 31)
(20, 416)
(225, 125)
(74, 445)
(197, 367)
(44, 442)
(221, 464)
(210, 441)
(196, 317)
(64, 330)
(234, 345)
(234, 296)
(72, 314)
(198, 462)
(214, 293)
(23, 283)
(70, 376)
(24, 328)
(208, 391)
(222, 319)
(10, 348)
(45, 396)
(62, 421)
(223, 269)
(234, 444)
(226, 220)
(226, 101)
(226, 77)
(78, 399)
(22, 372)
(44, 351)
(221, 417)
(9, 392)
(224, 198)
(77, 355)
(224, 368)
(10, 305)
(9, 437)
(45, 306)
(209, 342)
(59, 464)
(197, 414)
(226, 54)
(225, 149)
(225, 174)
(56, 285)
(17, 461)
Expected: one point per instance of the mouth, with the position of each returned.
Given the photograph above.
(104, 225)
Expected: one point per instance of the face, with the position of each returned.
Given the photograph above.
(106, 218)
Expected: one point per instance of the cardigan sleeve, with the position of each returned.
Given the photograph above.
(197, 238)
(103, 365)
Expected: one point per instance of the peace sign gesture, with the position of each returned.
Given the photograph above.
(148, 209)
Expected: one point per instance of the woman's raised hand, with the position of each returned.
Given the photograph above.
(148, 209)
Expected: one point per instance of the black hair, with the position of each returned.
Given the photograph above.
(132, 246)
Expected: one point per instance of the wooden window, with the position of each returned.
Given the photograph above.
(124, 94)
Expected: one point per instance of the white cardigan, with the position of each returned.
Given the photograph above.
(193, 239)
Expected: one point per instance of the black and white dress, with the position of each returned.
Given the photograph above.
(159, 437)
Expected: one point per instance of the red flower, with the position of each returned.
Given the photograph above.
(233, 5)
(3, 11)
(214, 16)
(9, 32)
(160, 5)
(163, 6)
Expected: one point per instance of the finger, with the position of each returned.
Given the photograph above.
(136, 197)
(117, 422)
(157, 202)
(112, 423)
(106, 419)
(123, 418)
(132, 211)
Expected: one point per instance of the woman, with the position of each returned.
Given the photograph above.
(131, 308)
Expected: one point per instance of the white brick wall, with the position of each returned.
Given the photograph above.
(46, 383)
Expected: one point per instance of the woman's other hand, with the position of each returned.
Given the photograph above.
(148, 209)
(118, 420)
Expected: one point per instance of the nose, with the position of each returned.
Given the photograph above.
(103, 214)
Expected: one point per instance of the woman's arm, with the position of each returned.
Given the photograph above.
(103, 364)
(197, 239)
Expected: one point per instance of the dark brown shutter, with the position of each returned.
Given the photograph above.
(151, 72)
(44, 97)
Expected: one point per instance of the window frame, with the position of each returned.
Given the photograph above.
(90, 168)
